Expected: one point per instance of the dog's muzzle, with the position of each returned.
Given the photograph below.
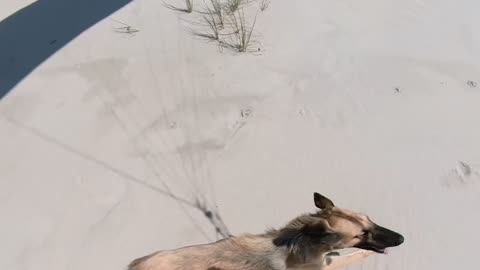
(381, 238)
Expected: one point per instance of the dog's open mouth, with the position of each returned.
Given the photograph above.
(380, 250)
(374, 249)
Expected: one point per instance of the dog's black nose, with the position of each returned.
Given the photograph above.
(400, 240)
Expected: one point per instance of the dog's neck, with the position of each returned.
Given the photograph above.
(300, 248)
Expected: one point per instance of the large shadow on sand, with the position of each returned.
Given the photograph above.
(31, 35)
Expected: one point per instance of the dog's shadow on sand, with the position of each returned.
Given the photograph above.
(33, 34)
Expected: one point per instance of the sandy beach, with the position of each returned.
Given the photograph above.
(121, 131)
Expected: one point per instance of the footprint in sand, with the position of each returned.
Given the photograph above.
(462, 174)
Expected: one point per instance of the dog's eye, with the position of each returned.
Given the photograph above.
(363, 233)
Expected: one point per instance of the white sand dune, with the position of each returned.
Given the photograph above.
(367, 102)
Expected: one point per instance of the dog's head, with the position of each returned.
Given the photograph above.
(343, 228)
(334, 228)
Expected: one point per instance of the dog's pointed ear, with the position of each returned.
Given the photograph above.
(321, 201)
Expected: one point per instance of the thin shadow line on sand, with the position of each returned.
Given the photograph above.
(212, 215)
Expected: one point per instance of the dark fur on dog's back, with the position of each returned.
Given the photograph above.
(304, 236)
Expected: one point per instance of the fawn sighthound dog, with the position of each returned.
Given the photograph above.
(306, 243)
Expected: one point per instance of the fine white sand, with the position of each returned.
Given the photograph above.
(93, 138)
